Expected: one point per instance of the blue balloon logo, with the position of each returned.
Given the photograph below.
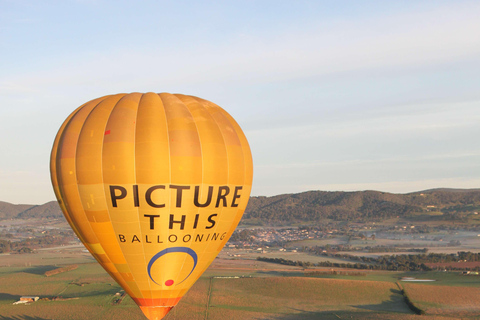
(186, 250)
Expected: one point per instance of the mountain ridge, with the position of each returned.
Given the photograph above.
(9, 210)
(351, 205)
(316, 205)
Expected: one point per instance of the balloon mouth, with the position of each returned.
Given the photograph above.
(186, 250)
(155, 313)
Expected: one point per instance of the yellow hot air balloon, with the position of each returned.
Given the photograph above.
(154, 185)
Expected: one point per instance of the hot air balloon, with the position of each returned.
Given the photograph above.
(154, 186)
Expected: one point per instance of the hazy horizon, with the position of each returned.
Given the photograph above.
(440, 188)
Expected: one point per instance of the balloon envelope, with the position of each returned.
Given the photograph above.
(153, 185)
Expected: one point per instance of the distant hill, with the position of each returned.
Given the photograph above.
(8, 210)
(48, 210)
(316, 205)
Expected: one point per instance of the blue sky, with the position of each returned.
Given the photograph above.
(332, 95)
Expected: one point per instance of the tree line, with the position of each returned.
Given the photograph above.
(405, 262)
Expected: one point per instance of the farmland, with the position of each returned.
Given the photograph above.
(239, 289)
(333, 274)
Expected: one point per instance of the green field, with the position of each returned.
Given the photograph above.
(88, 293)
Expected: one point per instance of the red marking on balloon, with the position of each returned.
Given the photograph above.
(168, 283)
(107, 132)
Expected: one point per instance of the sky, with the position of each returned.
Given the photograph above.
(332, 95)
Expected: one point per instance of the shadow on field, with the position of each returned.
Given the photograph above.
(40, 270)
(309, 315)
(90, 291)
(282, 273)
(22, 318)
(335, 315)
(396, 304)
(7, 296)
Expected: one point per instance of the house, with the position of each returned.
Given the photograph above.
(29, 298)
(26, 299)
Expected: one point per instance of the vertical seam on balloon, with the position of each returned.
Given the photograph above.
(245, 173)
(56, 144)
(169, 157)
(135, 180)
(201, 153)
(202, 103)
(218, 109)
(238, 133)
(53, 156)
(203, 176)
(106, 197)
(76, 168)
(228, 175)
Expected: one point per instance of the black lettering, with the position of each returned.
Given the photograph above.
(182, 222)
(208, 236)
(121, 238)
(136, 202)
(158, 240)
(222, 195)
(148, 197)
(179, 193)
(152, 219)
(215, 236)
(199, 238)
(170, 238)
(197, 195)
(210, 219)
(236, 196)
(123, 194)
(146, 239)
(223, 236)
(188, 239)
(135, 238)
(196, 221)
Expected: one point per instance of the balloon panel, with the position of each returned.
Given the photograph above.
(154, 185)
